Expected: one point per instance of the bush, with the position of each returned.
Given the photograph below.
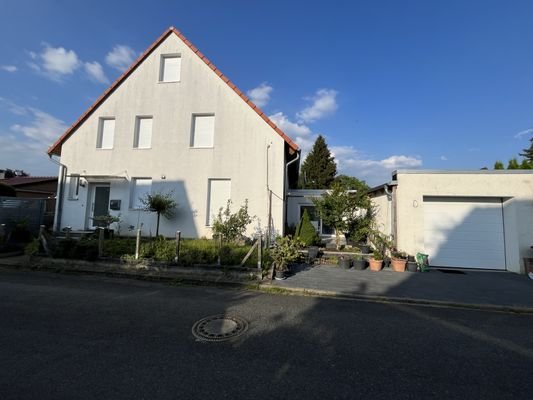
(231, 227)
(84, 249)
(119, 247)
(306, 232)
(159, 249)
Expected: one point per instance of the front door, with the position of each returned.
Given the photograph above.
(99, 204)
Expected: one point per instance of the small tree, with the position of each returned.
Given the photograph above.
(160, 203)
(305, 231)
(498, 165)
(513, 164)
(230, 226)
(340, 207)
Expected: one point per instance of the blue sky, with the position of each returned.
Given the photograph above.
(390, 84)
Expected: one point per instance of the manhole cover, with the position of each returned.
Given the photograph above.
(218, 328)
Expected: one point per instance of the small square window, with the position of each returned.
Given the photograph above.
(143, 133)
(203, 130)
(106, 133)
(74, 187)
(170, 68)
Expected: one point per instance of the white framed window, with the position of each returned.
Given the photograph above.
(74, 187)
(140, 187)
(143, 133)
(203, 130)
(218, 194)
(106, 133)
(170, 68)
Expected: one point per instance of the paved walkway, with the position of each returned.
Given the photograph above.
(472, 287)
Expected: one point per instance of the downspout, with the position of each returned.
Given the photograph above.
(392, 213)
(59, 195)
(287, 188)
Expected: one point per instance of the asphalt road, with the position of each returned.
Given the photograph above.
(85, 337)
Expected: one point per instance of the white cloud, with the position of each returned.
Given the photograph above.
(444, 158)
(260, 95)
(40, 127)
(521, 134)
(57, 61)
(121, 57)
(24, 145)
(324, 103)
(96, 72)
(352, 162)
(9, 68)
(289, 127)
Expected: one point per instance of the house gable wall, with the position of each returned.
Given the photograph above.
(239, 152)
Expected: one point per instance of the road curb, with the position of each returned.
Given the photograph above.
(156, 276)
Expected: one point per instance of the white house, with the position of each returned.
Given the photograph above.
(470, 219)
(173, 123)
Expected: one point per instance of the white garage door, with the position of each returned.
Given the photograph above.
(464, 232)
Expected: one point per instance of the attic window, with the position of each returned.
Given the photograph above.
(170, 68)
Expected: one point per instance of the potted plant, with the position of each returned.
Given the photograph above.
(412, 266)
(376, 261)
(345, 262)
(359, 263)
(285, 252)
(398, 261)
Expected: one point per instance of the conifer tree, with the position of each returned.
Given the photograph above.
(319, 169)
(528, 153)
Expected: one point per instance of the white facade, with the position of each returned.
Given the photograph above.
(179, 129)
(471, 219)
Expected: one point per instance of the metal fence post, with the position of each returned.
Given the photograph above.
(137, 244)
(178, 239)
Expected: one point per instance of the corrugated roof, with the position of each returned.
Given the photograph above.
(55, 149)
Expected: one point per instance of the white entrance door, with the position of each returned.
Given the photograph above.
(99, 203)
(464, 232)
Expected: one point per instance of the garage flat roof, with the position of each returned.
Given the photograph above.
(472, 171)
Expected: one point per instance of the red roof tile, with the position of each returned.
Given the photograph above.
(55, 149)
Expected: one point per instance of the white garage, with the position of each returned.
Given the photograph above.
(479, 219)
(464, 232)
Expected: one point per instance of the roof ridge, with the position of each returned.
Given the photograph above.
(56, 147)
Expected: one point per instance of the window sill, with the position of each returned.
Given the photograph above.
(168, 81)
(104, 148)
(201, 148)
(142, 148)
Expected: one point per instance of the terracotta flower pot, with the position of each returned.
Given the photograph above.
(375, 265)
(398, 265)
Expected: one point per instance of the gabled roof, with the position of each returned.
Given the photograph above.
(55, 149)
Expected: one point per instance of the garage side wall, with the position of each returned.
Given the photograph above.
(515, 189)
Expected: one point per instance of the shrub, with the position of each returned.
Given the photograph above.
(306, 232)
(159, 249)
(285, 252)
(119, 247)
(230, 226)
(84, 249)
